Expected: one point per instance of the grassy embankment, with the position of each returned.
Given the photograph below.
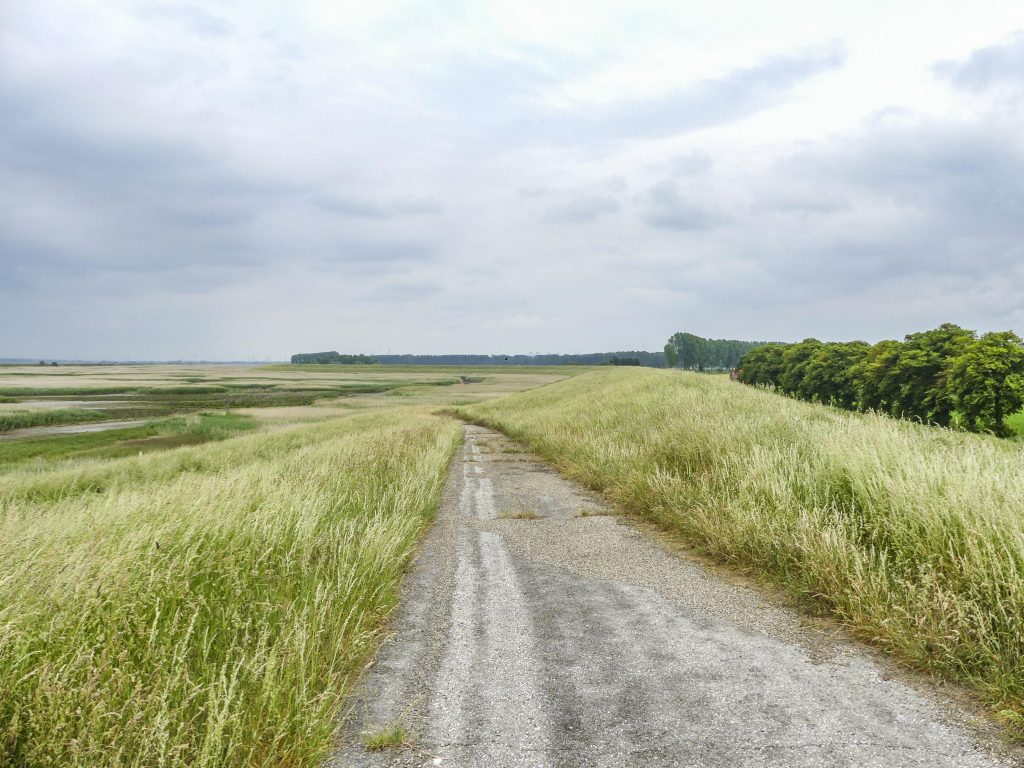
(912, 535)
(206, 606)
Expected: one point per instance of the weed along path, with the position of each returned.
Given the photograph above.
(537, 629)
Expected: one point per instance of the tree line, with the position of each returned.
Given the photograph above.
(648, 359)
(695, 353)
(332, 358)
(631, 357)
(948, 376)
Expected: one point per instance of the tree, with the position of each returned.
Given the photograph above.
(875, 377)
(921, 373)
(325, 358)
(699, 354)
(762, 366)
(671, 356)
(795, 360)
(986, 381)
(829, 373)
(929, 376)
(686, 345)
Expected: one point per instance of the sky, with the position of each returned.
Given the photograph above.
(245, 180)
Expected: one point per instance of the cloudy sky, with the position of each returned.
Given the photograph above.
(245, 180)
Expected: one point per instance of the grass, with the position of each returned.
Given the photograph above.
(18, 392)
(390, 737)
(211, 605)
(23, 419)
(206, 426)
(1016, 423)
(155, 435)
(911, 535)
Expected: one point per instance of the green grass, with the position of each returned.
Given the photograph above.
(24, 419)
(63, 391)
(390, 737)
(207, 426)
(155, 435)
(59, 447)
(1016, 423)
(208, 606)
(912, 535)
(188, 390)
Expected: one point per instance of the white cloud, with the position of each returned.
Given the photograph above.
(245, 180)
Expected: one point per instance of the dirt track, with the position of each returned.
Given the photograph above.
(576, 640)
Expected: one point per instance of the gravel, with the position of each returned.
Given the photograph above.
(575, 640)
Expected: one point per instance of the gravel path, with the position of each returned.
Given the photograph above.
(574, 639)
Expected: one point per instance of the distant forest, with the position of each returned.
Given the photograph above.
(630, 357)
(648, 359)
(683, 350)
(695, 353)
(332, 358)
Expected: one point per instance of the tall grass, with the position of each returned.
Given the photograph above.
(207, 611)
(45, 453)
(22, 419)
(911, 534)
(39, 483)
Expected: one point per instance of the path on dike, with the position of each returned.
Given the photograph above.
(577, 639)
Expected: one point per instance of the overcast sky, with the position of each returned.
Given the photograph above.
(245, 180)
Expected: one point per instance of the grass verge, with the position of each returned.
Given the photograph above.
(912, 535)
(207, 606)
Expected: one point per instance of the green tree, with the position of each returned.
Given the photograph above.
(829, 373)
(671, 356)
(796, 359)
(921, 373)
(762, 365)
(985, 381)
(696, 353)
(875, 377)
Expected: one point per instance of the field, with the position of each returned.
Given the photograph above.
(911, 535)
(146, 404)
(200, 589)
